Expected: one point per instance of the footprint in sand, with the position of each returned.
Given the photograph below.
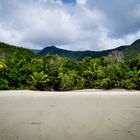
(130, 132)
(35, 123)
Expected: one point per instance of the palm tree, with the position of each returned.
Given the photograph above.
(39, 80)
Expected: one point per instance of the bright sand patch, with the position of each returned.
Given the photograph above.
(79, 115)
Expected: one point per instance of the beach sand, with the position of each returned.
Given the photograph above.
(77, 115)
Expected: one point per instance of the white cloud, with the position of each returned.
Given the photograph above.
(9, 35)
(88, 25)
(81, 2)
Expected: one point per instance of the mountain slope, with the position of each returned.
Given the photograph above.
(76, 55)
(10, 51)
(133, 49)
(127, 51)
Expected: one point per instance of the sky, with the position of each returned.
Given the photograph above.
(70, 24)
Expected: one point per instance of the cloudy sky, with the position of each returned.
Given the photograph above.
(70, 24)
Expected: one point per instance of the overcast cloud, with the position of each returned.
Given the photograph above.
(80, 25)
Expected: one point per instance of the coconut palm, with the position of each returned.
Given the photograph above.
(39, 80)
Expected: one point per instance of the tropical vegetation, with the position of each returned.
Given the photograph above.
(21, 69)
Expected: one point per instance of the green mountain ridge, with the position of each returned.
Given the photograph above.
(127, 51)
(133, 49)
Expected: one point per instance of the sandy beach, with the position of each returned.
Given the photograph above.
(76, 115)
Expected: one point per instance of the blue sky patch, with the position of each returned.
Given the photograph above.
(69, 1)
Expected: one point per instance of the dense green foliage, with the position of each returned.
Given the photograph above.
(22, 69)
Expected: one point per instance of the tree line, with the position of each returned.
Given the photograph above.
(33, 72)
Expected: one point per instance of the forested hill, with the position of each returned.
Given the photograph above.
(9, 51)
(133, 49)
(127, 51)
(75, 55)
(22, 69)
